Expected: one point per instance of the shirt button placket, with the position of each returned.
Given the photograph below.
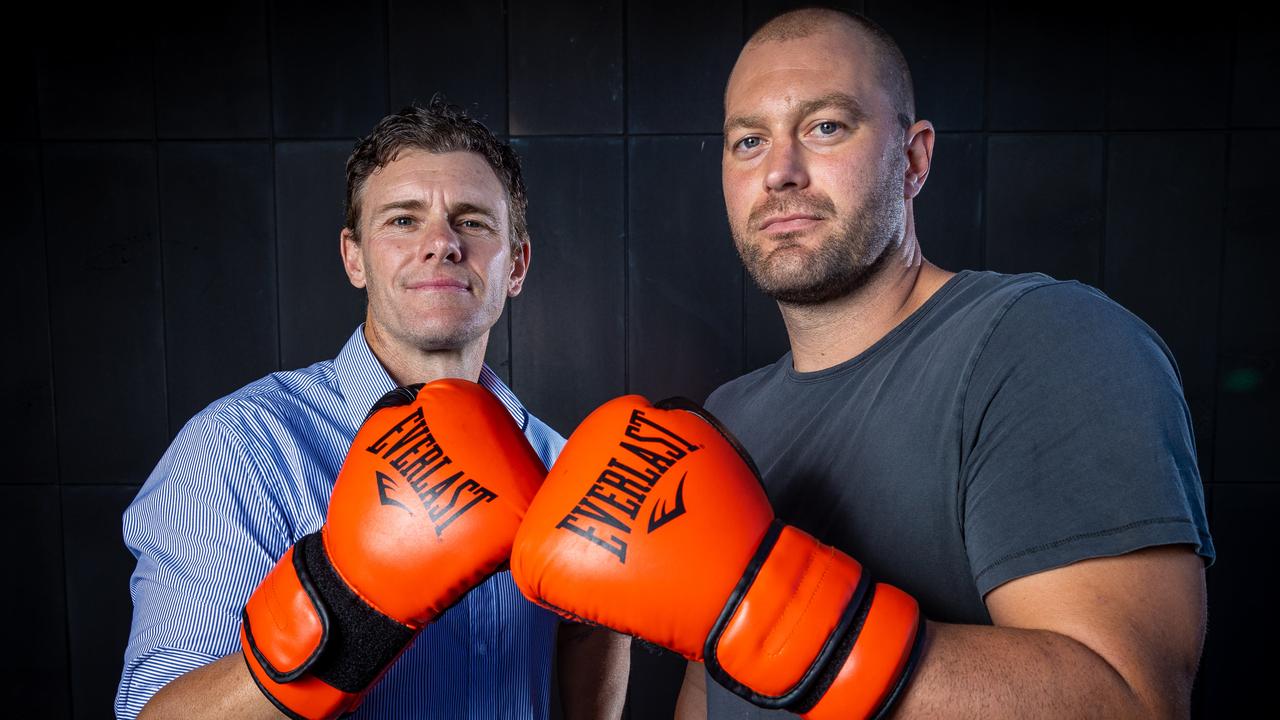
(481, 685)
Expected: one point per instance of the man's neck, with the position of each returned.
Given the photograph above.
(409, 365)
(830, 333)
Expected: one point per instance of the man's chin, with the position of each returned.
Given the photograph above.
(815, 284)
(783, 269)
(794, 238)
(445, 339)
(438, 336)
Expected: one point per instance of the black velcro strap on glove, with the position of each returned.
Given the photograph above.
(361, 641)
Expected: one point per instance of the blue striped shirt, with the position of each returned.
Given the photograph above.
(250, 475)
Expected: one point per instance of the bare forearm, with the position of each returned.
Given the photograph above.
(221, 689)
(998, 672)
(593, 664)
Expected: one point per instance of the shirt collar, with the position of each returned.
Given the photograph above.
(362, 381)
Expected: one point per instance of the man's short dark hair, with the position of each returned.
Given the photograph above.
(437, 128)
(894, 75)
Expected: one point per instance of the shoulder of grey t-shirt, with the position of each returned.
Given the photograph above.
(742, 389)
(1078, 439)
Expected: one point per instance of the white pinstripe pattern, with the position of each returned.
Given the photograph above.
(245, 479)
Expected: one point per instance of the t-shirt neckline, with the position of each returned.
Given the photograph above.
(889, 338)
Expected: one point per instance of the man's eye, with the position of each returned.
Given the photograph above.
(828, 128)
(402, 221)
(748, 144)
(473, 224)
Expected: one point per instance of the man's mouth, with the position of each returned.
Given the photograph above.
(789, 223)
(439, 285)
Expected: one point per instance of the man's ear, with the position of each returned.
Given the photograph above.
(519, 269)
(919, 149)
(352, 257)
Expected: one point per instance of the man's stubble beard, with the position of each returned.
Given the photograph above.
(842, 263)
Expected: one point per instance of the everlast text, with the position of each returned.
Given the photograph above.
(615, 498)
(412, 450)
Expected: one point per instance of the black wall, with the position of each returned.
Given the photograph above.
(173, 194)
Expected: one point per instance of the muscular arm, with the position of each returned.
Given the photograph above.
(592, 665)
(1107, 637)
(221, 689)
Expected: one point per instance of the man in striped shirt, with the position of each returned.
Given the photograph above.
(435, 232)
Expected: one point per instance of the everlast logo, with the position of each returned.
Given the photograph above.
(614, 500)
(416, 456)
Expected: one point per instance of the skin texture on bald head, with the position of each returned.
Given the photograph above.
(797, 24)
(891, 66)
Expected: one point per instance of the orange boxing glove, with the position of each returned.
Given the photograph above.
(653, 522)
(424, 509)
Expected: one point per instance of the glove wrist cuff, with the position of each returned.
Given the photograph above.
(305, 622)
(305, 698)
(806, 630)
(784, 623)
(877, 667)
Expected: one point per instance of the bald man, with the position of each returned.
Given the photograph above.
(1013, 451)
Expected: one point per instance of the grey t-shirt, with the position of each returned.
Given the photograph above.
(1011, 425)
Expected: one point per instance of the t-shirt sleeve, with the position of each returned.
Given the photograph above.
(205, 533)
(1078, 441)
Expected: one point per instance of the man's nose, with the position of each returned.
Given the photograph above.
(785, 168)
(441, 241)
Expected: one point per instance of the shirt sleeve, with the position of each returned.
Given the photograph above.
(1078, 441)
(205, 532)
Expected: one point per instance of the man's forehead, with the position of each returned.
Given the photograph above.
(415, 171)
(454, 163)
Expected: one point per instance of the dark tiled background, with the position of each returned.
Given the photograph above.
(175, 192)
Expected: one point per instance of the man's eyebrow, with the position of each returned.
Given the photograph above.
(839, 101)
(415, 205)
(463, 208)
(745, 122)
(466, 208)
